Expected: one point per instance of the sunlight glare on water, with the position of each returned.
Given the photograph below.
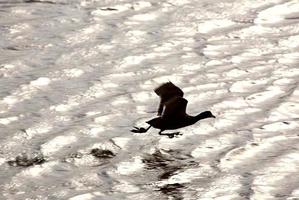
(76, 76)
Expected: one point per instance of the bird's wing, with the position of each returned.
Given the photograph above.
(175, 108)
(166, 92)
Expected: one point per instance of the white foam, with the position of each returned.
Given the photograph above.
(140, 5)
(248, 85)
(92, 113)
(121, 141)
(285, 111)
(294, 195)
(106, 144)
(190, 175)
(63, 107)
(284, 82)
(126, 187)
(42, 81)
(272, 94)
(87, 196)
(202, 87)
(234, 73)
(131, 167)
(132, 60)
(84, 34)
(105, 118)
(38, 170)
(290, 58)
(19, 28)
(178, 2)
(190, 67)
(93, 92)
(231, 118)
(145, 17)
(248, 155)
(214, 25)
(8, 120)
(85, 181)
(205, 95)
(281, 126)
(215, 50)
(277, 177)
(120, 101)
(286, 72)
(143, 96)
(250, 55)
(291, 42)
(257, 30)
(235, 103)
(57, 143)
(7, 69)
(2, 161)
(181, 30)
(21, 12)
(278, 13)
(95, 132)
(38, 129)
(136, 36)
(214, 146)
(25, 91)
(74, 72)
(221, 191)
(214, 63)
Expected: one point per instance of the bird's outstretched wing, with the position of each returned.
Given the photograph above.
(175, 108)
(166, 92)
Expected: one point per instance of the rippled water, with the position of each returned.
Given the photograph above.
(76, 75)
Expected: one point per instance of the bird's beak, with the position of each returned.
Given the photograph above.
(213, 116)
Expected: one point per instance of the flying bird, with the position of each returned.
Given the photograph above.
(172, 111)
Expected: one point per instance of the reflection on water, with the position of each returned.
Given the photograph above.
(173, 190)
(165, 165)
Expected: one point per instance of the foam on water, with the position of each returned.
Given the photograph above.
(131, 167)
(76, 76)
(279, 13)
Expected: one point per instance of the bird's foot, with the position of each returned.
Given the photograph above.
(138, 130)
(171, 135)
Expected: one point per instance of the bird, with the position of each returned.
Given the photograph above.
(172, 112)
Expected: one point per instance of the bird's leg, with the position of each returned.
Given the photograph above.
(140, 130)
(170, 135)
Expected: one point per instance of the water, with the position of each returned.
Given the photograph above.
(77, 75)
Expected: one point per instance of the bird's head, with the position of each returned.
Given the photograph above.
(207, 114)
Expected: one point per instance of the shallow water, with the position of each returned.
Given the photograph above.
(77, 75)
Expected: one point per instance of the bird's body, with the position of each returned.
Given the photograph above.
(166, 124)
(174, 115)
(172, 111)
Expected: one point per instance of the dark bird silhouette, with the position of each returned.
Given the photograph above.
(174, 115)
(166, 92)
